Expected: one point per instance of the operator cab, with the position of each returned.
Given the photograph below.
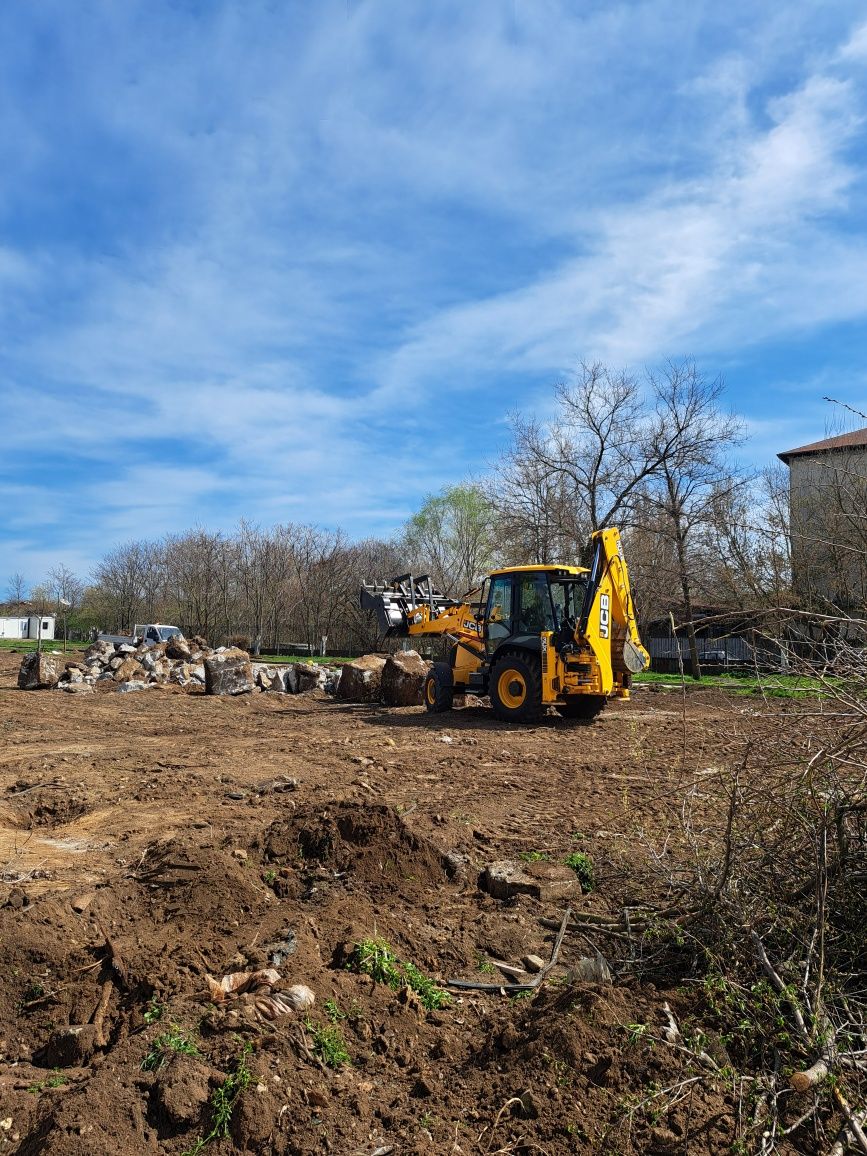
(532, 600)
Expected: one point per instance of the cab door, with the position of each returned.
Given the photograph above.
(499, 615)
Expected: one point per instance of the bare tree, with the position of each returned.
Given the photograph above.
(690, 439)
(66, 591)
(370, 559)
(128, 583)
(746, 542)
(596, 446)
(16, 590)
(192, 567)
(320, 581)
(535, 519)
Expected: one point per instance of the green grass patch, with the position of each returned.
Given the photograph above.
(333, 1011)
(327, 1043)
(285, 659)
(25, 645)
(55, 1081)
(154, 1011)
(582, 864)
(164, 1045)
(222, 1102)
(740, 683)
(376, 958)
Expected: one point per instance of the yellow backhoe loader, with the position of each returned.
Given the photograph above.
(530, 637)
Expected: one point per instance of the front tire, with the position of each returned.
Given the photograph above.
(439, 688)
(583, 706)
(515, 688)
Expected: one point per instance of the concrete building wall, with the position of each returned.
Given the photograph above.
(828, 526)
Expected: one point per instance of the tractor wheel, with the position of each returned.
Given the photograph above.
(515, 687)
(583, 706)
(439, 688)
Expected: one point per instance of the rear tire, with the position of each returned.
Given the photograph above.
(515, 687)
(439, 688)
(585, 707)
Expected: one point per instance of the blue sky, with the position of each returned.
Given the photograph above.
(297, 261)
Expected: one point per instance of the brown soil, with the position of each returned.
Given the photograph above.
(148, 839)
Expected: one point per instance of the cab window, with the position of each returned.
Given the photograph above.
(534, 613)
(499, 616)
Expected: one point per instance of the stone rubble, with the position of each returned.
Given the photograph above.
(189, 663)
(396, 680)
(403, 678)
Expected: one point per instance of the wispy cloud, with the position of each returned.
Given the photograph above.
(297, 262)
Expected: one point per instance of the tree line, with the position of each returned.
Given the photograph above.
(654, 453)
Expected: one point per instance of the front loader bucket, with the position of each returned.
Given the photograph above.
(394, 602)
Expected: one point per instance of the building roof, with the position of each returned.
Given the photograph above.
(855, 439)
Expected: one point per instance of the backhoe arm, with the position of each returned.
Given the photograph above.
(608, 622)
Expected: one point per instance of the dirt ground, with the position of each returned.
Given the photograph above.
(149, 839)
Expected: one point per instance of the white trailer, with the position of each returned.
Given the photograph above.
(28, 626)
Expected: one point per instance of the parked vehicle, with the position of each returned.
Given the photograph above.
(147, 634)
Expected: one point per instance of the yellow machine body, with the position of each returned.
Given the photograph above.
(584, 648)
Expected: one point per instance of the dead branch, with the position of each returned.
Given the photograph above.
(852, 1120)
(512, 988)
(117, 961)
(98, 1017)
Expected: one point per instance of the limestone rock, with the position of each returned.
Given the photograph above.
(101, 652)
(403, 678)
(360, 680)
(542, 880)
(133, 684)
(130, 668)
(179, 650)
(268, 677)
(228, 671)
(309, 676)
(39, 671)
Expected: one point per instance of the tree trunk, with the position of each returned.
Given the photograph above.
(683, 568)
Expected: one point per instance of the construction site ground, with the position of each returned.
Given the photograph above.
(149, 839)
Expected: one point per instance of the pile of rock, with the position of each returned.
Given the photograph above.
(396, 680)
(186, 663)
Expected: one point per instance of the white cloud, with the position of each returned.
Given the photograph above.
(339, 227)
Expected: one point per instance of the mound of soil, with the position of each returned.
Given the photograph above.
(372, 844)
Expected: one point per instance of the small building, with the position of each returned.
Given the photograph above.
(827, 527)
(28, 626)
